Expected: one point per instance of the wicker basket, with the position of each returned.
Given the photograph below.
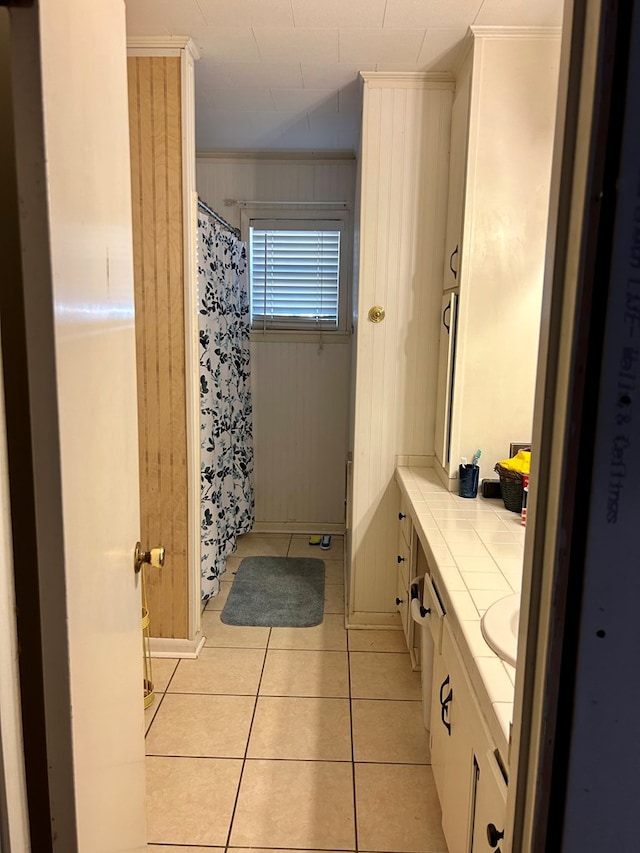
(511, 486)
(511, 494)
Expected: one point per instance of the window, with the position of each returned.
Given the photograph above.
(296, 278)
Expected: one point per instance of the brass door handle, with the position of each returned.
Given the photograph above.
(154, 557)
(376, 314)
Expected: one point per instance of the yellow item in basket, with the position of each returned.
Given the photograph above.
(521, 462)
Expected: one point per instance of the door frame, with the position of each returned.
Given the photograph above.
(572, 784)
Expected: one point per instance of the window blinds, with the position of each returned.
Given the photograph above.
(295, 278)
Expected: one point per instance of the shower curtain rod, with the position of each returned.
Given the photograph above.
(229, 202)
(218, 218)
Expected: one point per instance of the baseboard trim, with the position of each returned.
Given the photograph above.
(168, 647)
(426, 461)
(296, 527)
(384, 621)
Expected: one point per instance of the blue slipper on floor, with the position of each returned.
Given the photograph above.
(325, 543)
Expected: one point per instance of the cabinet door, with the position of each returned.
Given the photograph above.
(402, 600)
(457, 182)
(404, 522)
(490, 804)
(439, 723)
(446, 377)
(456, 807)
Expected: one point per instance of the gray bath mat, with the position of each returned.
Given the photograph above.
(276, 592)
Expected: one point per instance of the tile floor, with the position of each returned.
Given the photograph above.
(290, 738)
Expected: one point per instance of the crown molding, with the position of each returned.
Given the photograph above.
(465, 49)
(161, 46)
(418, 79)
(515, 32)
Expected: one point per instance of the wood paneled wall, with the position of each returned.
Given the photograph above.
(157, 198)
(405, 163)
(300, 390)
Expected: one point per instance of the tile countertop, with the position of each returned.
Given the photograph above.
(475, 550)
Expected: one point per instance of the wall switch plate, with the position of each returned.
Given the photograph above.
(515, 446)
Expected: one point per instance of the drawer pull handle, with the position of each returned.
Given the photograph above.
(442, 686)
(402, 515)
(401, 559)
(399, 601)
(454, 272)
(443, 712)
(444, 704)
(494, 835)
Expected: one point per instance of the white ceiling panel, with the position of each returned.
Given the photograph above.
(306, 100)
(306, 139)
(278, 44)
(359, 47)
(347, 141)
(338, 13)
(338, 122)
(350, 98)
(283, 73)
(328, 76)
(440, 49)
(163, 17)
(247, 13)
(212, 75)
(237, 75)
(401, 14)
(519, 13)
(228, 44)
(253, 131)
(203, 107)
(239, 100)
(343, 128)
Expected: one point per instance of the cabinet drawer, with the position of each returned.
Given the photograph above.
(431, 600)
(403, 600)
(489, 803)
(403, 558)
(404, 519)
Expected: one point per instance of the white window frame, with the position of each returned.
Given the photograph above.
(314, 218)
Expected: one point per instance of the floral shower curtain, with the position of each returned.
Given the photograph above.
(226, 438)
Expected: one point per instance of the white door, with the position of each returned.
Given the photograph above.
(81, 116)
(446, 371)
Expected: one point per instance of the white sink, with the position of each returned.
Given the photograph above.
(500, 627)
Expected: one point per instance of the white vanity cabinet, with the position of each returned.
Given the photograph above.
(488, 797)
(406, 562)
(451, 743)
(470, 784)
(503, 120)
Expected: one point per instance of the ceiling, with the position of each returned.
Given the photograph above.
(282, 74)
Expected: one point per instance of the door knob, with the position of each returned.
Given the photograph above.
(154, 557)
(376, 314)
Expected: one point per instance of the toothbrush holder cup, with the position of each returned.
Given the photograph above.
(468, 476)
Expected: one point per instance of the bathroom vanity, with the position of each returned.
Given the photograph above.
(469, 553)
